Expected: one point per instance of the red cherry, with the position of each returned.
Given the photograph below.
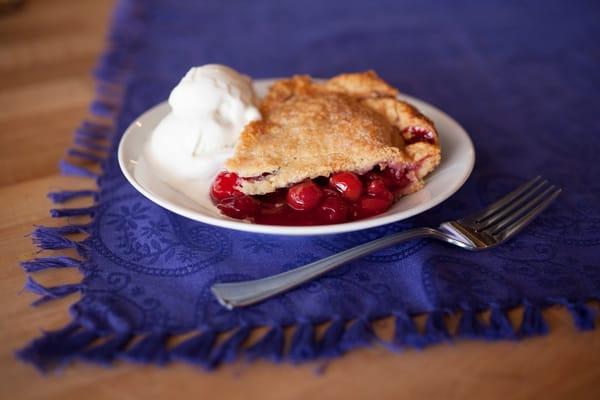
(418, 134)
(354, 211)
(224, 186)
(369, 206)
(328, 192)
(377, 187)
(272, 208)
(284, 216)
(395, 178)
(239, 207)
(379, 190)
(276, 198)
(332, 210)
(348, 184)
(389, 177)
(371, 175)
(304, 196)
(272, 214)
(300, 218)
(402, 181)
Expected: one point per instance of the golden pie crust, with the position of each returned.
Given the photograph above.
(352, 122)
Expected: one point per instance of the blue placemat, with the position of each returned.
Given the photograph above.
(522, 77)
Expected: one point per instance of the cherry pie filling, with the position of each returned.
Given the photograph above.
(343, 197)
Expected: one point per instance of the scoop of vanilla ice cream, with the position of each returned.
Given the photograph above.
(218, 101)
(209, 109)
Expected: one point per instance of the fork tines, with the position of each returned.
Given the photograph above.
(514, 211)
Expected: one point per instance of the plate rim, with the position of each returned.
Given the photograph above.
(296, 230)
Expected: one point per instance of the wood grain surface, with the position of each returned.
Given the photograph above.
(47, 50)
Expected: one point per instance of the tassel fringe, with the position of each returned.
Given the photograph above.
(56, 348)
(329, 346)
(470, 326)
(196, 350)
(358, 334)
(47, 238)
(96, 127)
(90, 144)
(583, 316)
(406, 333)
(42, 263)
(50, 293)
(72, 212)
(435, 328)
(90, 134)
(303, 347)
(533, 323)
(61, 230)
(74, 342)
(270, 346)
(102, 108)
(500, 326)
(68, 169)
(84, 155)
(227, 351)
(106, 352)
(67, 195)
(150, 349)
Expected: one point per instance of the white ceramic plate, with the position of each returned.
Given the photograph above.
(458, 157)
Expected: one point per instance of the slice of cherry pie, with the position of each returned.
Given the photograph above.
(327, 152)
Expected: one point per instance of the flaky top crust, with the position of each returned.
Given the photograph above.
(351, 122)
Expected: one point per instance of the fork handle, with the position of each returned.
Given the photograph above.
(237, 294)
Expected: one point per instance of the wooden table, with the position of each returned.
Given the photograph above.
(46, 52)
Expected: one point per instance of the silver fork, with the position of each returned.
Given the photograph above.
(485, 229)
